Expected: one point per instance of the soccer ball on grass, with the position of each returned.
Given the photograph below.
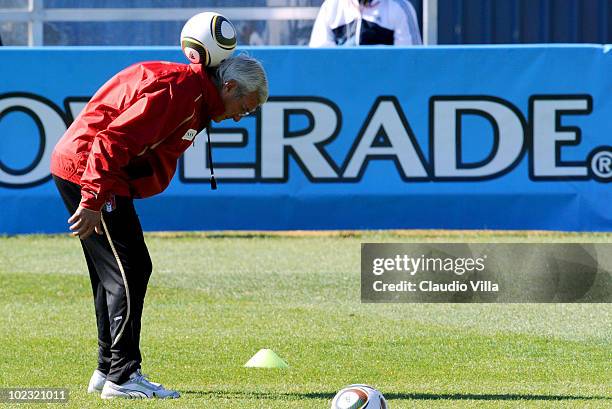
(359, 397)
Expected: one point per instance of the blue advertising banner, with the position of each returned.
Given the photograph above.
(480, 137)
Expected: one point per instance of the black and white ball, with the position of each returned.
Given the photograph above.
(359, 397)
(208, 38)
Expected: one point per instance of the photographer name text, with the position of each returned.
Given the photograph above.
(431, 286)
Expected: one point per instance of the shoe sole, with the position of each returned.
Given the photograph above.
(128, 395)
(137, 395)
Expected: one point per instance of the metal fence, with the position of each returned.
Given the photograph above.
(524, 21)
(156, 22)
(289, 22)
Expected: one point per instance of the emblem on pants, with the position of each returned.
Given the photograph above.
(110, 204)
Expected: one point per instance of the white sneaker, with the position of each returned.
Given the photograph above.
(137, 387)
(96, 383)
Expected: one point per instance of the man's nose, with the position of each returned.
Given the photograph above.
(237, 118)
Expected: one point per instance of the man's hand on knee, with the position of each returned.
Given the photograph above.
(84, 222)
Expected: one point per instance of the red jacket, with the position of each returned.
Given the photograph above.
(129, 137)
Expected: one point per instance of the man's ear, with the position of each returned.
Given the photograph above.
(230, 85)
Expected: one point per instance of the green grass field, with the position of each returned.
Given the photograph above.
(216, 299)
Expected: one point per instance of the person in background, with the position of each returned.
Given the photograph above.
(250, 35)
(365, 22)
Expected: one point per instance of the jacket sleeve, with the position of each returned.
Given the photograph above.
(128, 135)
(406, 25)
(322, 35)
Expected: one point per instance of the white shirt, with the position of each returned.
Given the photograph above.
(346, 23)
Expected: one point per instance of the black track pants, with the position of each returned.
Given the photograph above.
(119, 268)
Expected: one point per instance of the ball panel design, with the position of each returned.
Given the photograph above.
(195, 51)
(227, 30)
(218, 26)
(351, 398)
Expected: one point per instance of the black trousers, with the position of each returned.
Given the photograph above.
(119, 268)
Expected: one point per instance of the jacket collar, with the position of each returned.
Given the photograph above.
(212, 105)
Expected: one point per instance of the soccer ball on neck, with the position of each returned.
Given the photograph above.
(359, 397)
(208, 38)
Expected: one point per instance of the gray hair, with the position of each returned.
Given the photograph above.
(248, 73)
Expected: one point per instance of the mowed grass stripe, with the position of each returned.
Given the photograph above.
(197, 338)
